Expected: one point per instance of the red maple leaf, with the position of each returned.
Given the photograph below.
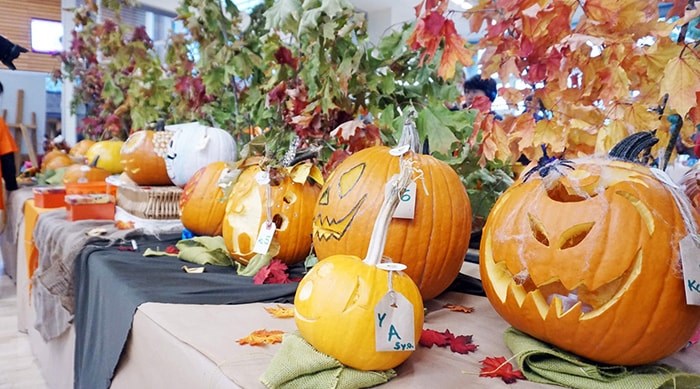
(274, 273)
(499, 367)
(462, 344)
(428, 338)
(284, 56)
(172, 250)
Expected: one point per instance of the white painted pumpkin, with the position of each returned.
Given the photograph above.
(194, 146)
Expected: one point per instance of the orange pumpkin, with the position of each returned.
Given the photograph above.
(77, 173)
(55, 159)
(143, 157)
(433, 244)
(80, 149)
(334, 307)
(292, 211)
(203, 201)
(587, 259)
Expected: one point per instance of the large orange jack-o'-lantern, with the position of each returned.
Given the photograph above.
(433, 244)
(291, 210)
(587, 258)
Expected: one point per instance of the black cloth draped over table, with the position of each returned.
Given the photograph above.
(110, 284)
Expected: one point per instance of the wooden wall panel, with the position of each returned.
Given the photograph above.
(15, 17)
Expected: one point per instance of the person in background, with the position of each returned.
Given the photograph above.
(477, 86)
(8, 148)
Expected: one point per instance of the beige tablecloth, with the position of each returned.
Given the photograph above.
(194, 346)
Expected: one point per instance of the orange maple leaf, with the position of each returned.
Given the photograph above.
(262, 337)
(453, 52)
(280, 311)
(458, 308)
(124, 225)
(681, 81)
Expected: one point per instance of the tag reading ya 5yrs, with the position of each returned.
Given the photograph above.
(262, 243)
(393, 323)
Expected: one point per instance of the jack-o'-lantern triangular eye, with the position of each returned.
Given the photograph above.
(574, 235)
(350, 178)
(323, 200)
(538, 230)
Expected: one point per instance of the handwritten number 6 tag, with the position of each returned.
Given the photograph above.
(407, 206)
(262, 243)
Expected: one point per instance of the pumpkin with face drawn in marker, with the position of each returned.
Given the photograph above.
(587, 258)
(432, 244)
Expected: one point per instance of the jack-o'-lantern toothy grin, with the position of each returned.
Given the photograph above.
(326, 228)
(553, 297)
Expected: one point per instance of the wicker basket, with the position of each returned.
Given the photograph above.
(152, 202)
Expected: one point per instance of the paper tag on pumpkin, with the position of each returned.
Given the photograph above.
(393, 323)
(264, 239)
(407, 206)
(690, 255)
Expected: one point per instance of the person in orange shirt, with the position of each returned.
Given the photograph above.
(8, 148)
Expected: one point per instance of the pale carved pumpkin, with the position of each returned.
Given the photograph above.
(433, 244)
(108, 152)
(291, 210)
(143, 157)
(194, 146)
(203, 200)
(587, 259)
(334, 307)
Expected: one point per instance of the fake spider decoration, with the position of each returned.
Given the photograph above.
(546, 164)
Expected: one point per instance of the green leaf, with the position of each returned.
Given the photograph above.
(334, 8)
(437, 122)
(283, 15)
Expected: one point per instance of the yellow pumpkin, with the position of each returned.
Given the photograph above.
(587, 259)
(292, 211)
(109, 155)
(334, 306)
(203, 201)
(143, 157)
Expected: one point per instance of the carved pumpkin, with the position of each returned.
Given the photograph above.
(334, 307)
(84, 173)
(588, 260)
(203, 202)
(292, 212)
(55, 159)
(433, 244)
(193, 147)
(108, 152)
(80, 149)
(143, 157)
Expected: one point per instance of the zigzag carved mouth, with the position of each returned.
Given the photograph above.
(580, 301)
(326, 229)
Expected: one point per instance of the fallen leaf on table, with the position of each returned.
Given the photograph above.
(274, 273)
(428, 338)
(172, 250)
(461, 344)
(280, 312)
(499, 367)
(458, 308)
(124, 225)
(262, 337)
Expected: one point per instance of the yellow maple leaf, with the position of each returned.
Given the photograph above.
(280, 311)
(262, 337)
(551, 133)
(610, 135)
(655, 58)
(681, 80)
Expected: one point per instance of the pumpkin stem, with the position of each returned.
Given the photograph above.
(675, 130)
(629, 148)
(409, 134)
(377, 241)
(94, 161)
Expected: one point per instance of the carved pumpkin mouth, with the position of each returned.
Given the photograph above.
(552, 297)
(325, 228)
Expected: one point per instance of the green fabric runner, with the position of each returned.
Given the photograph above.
(201, 250)
(298, 365)
(546, 364)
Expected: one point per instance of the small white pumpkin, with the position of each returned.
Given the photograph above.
(194, 146)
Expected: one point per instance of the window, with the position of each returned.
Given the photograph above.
(46, 36)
